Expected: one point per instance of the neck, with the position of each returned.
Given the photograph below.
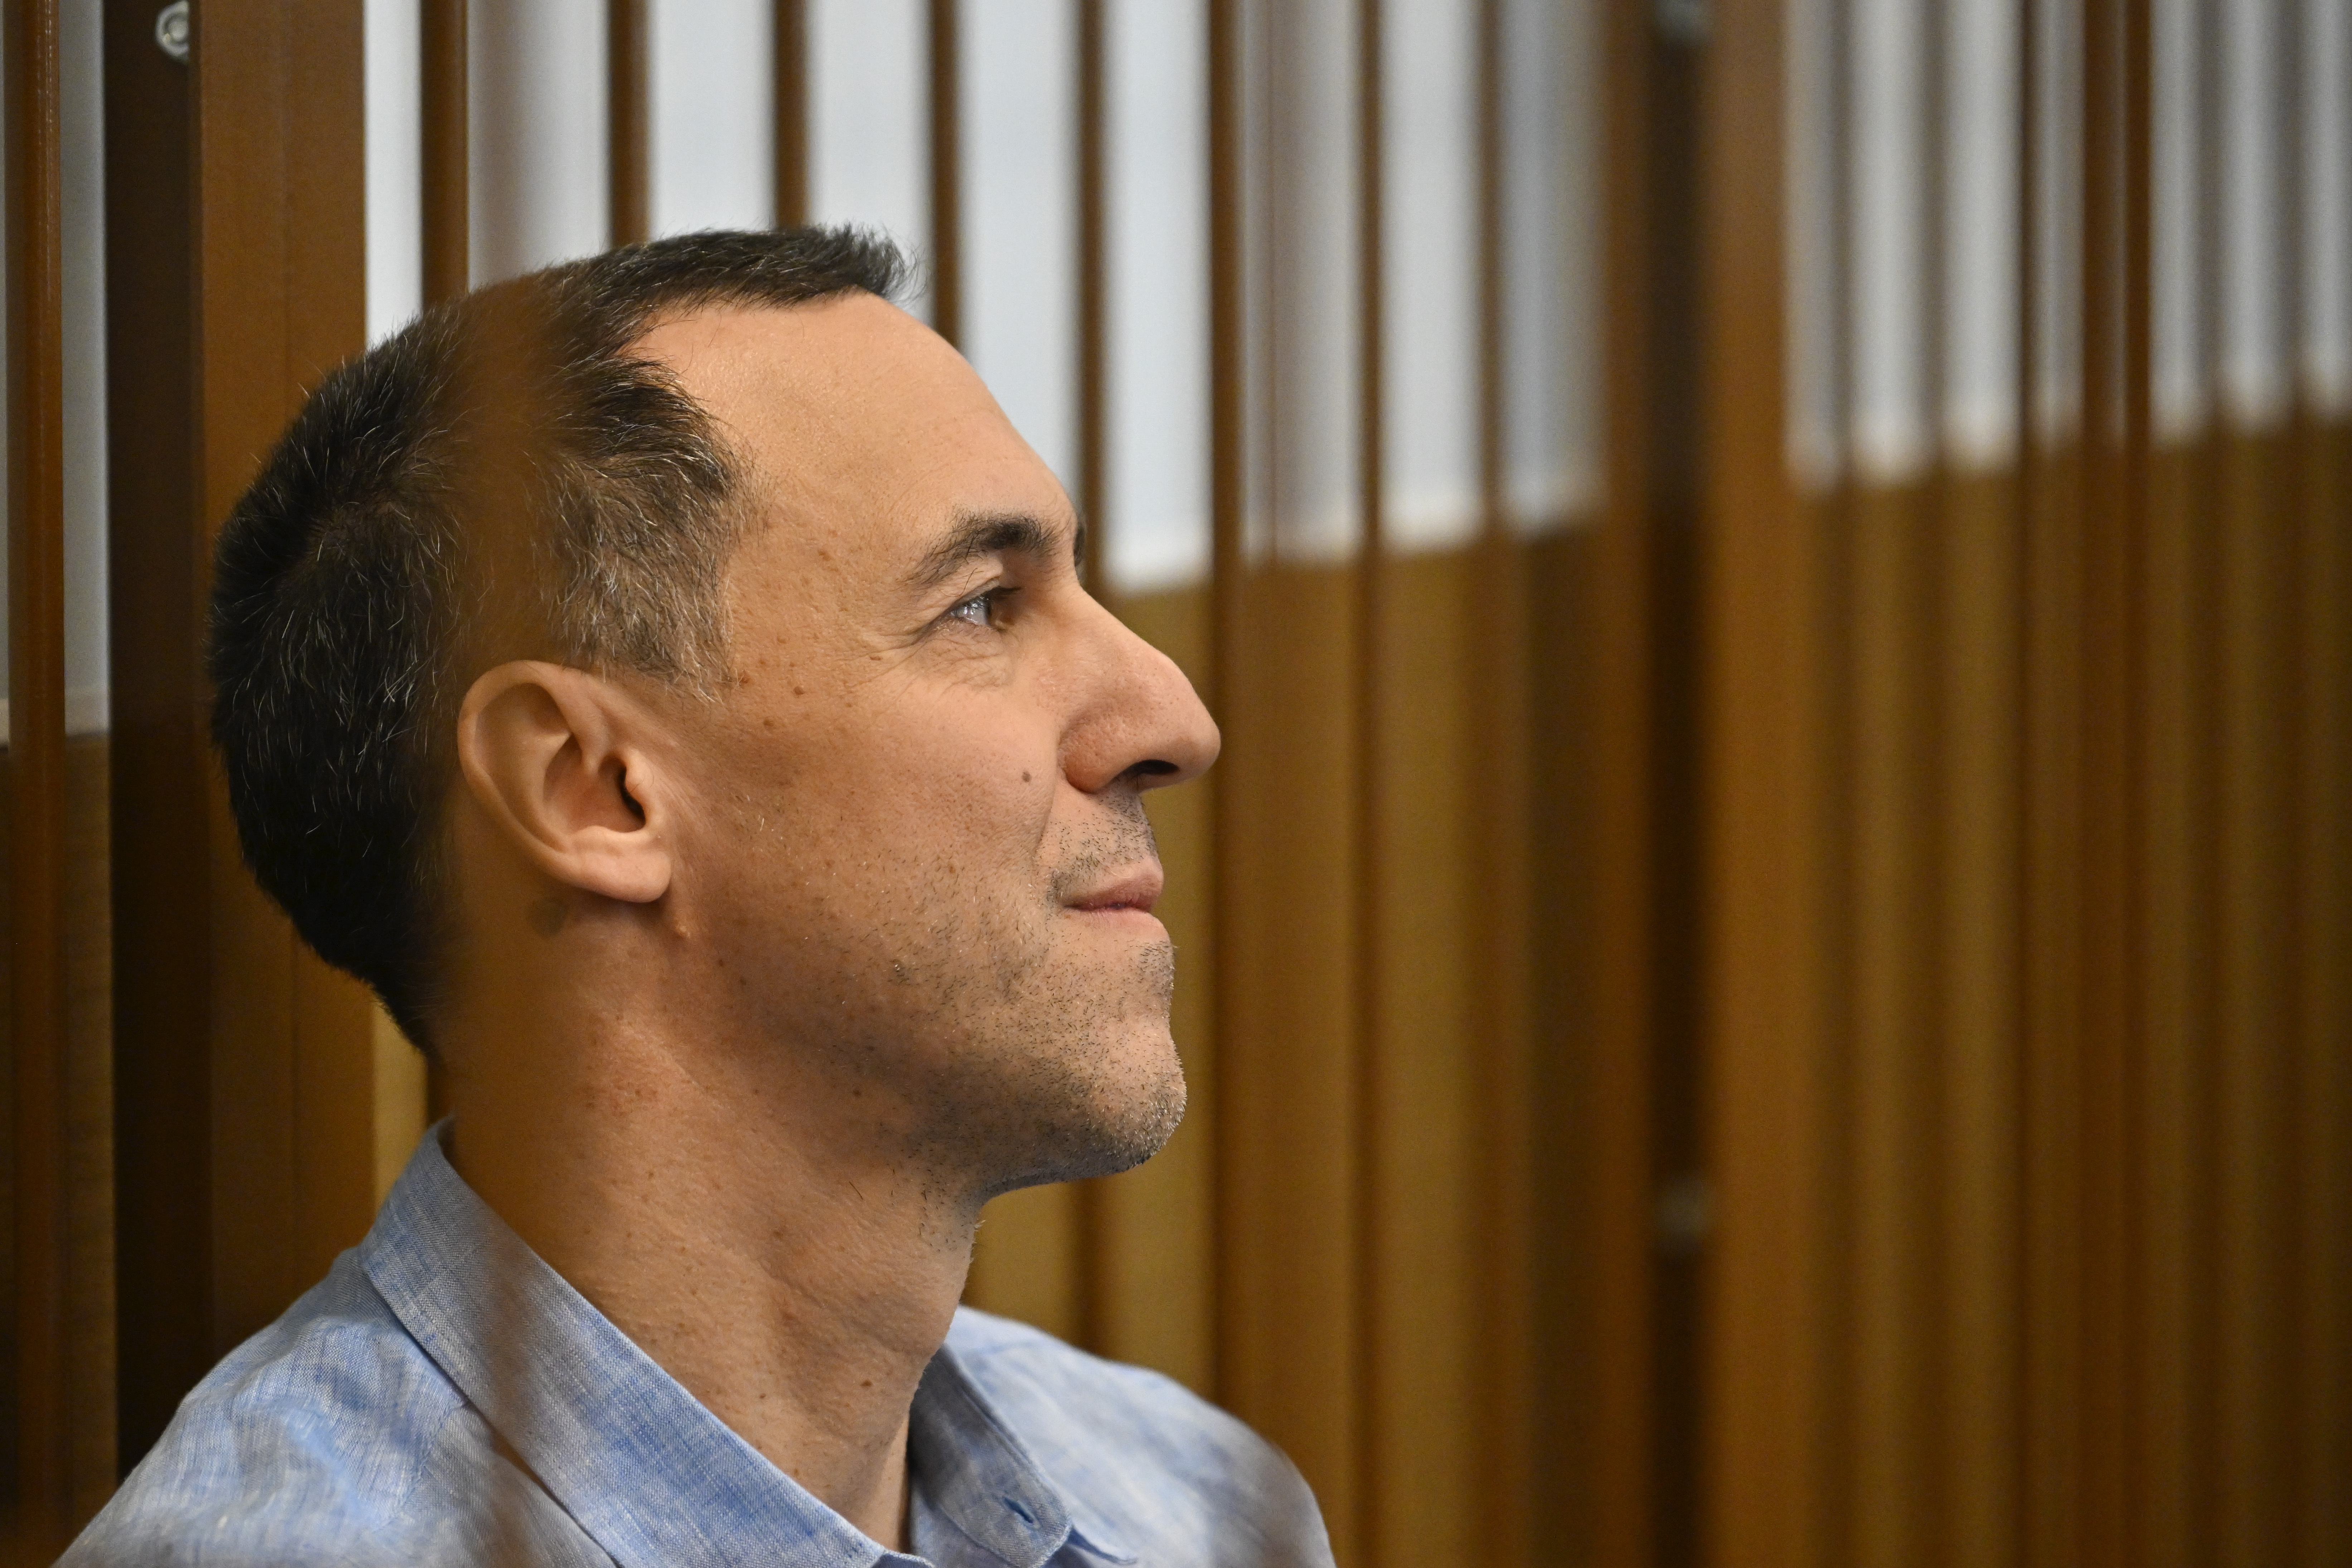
(742, 1227)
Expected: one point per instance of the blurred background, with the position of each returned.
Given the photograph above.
(1767, 974)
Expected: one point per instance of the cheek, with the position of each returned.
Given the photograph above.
(916, 793)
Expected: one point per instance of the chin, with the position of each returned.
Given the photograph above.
(1097, 1123)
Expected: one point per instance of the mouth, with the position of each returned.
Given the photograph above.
(1132, 891)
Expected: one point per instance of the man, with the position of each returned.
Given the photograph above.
(666, 679)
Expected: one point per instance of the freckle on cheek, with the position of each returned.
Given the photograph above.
(1024, 775)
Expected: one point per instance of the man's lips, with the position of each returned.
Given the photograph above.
(1137, 889)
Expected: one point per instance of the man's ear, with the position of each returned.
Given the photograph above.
(556, 758)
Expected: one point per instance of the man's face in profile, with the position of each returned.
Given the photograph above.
(916, 846)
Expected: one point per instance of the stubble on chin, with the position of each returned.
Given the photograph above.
(1070, 1072)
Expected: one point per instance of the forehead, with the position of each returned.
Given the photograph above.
(858, 419)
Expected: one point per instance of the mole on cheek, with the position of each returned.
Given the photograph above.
(1024, 775)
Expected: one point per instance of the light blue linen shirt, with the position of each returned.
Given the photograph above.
(382, 1421)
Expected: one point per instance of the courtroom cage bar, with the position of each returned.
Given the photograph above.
(1763, 974)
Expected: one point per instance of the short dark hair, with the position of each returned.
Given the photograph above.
(350, 581)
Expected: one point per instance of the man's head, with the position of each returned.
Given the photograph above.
(690, 621)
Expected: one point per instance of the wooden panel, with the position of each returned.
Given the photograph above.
(1766, 1091)
(1976, 1310)
(946, 171)
(2254, 1087)
(85, 1134)
(1427, 1272)
(792, 101)
(2323, 459)
(2051, 1087)
(2176, 1221)
(39, 980)
(628, 109)
(444, 149)
(280, 299)
(1627, 808)
(2322, 1354)
(1285, 1031)
(1892, 1102)
(161, 864)
(1564, 1119)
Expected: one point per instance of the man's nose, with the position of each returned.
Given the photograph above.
(1144, 721)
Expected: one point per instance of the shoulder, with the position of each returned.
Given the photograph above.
(304, 1445)
(1173, 1477)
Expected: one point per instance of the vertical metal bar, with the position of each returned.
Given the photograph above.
(947, 172)
(1506, 851)
(1625, 798)
(446, 149)
(1092, 369)
(159, 856)
(2316, 656)
(1227, 499)
(2115, 445)
(1755, 1482)
(2206, 1218)
(628, 123)
(792, 113)
(2030, 483)
(1835, 522)
(37, 764)
(1371, 1412)
(1491, 304)
(1093, 174)
(2128, 1186)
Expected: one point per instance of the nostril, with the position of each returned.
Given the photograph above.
(1153, 767)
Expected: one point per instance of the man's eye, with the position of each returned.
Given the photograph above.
(979, 609)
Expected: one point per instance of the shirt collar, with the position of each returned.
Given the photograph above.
(972, 1469)
(649, 1473)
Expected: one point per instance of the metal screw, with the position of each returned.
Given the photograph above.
(171, 29)
(1685, 1215)
(1684, 22)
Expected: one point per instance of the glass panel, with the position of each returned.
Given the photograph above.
(1429, 222)
(1814, 101)
(1157, 535)
(2180, 391)
(1019, 156)
(1551, 238)
(713, 87)
(869, 118)
(2254, 297)
(2326, 53)
(1307, 221)
(536, 97)
(1889, 237)
(1979, 348)
(395, 167)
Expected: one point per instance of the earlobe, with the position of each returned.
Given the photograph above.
(556, 758)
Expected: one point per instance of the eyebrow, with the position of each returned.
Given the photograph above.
(975, 538)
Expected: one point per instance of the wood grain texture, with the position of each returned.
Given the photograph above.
(1765, 1100)
(40, 981)
(1974, 582)
(159, 858)
(792, 111)
(1287, 1045)
(628, 109)
(946, 133)
(280, 301)
(446, 149)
